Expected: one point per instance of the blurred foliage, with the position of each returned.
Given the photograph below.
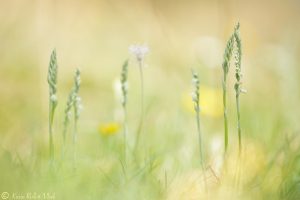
(183, 34)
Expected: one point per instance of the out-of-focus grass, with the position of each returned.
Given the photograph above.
(95, 36)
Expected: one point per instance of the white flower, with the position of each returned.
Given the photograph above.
(79, 105)
(243, 91)
(194, 97)
(53, 98)
(125, 86)
(139, 51)
(195, 82)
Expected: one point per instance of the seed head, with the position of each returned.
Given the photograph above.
(77, 100)
(195, 93)
(52, 78)
(124, 83)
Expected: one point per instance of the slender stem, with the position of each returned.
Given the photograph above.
(200, 146)
(64, 148)
(51, 144)
(166, 180)
(225, 114)
(125, 134)
(142, 93)
(74, 142)
(142, 105)
(239, 122)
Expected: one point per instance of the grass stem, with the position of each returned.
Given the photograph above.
(140, 127)
(52, 81)
(196, 99)
(124, 87)
(225, 66)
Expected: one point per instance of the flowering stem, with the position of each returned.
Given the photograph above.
(124, 87)
(74, 141)
(52, 80)
(125, 134)
(77, 109)
(196, 98)
(239, 122)
(51, 144)
(225, 66)
(237, 86)
(225, 113)
(139, 51)
(142, 105)
(200, 146)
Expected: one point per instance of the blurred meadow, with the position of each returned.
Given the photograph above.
(94, 36)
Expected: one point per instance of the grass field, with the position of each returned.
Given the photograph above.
(132, 87)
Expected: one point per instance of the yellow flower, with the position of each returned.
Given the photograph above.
(210, 102)
(109, 129)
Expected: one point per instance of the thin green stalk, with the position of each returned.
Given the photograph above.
(196, 98)
(237, 86)
(142, 105)
(239, 122)
(140, 51)
(200, 150)
(68, 108)
(124, 87)
(74, 141)
(52, 81)
(238, 91)
(225, 114)
(166, 181)
(125, 132)
(225, 66)
(77, 109)
(51, 143)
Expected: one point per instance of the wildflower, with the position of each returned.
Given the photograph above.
(139, 51)
(196, 95)
(109, 129)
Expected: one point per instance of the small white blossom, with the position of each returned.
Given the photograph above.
(194, 97)
(53, 98)
(243, 91)
(78, 99)
(195, 82)
(139, 51)
(125, 85)
(79, 105)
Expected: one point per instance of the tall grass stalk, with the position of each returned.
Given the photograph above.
(140, 51)
(124, 87)
(68, 112)
(77, 109)
(225, 66)
(67, 118)
(142, 104)
(196, 98)
(52, 82)
(237, 86)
